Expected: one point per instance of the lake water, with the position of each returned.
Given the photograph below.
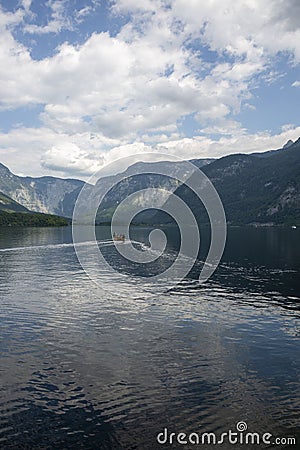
(85, 368)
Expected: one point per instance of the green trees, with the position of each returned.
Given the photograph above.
(31, 220)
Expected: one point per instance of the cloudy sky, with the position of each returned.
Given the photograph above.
(85, 82)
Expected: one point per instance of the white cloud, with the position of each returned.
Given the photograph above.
(26, 5)
(59, 20)
(203, 147)
(288, 127)
(39, 151)
(68, 157)
(47, 152)
(296, 84)
(85, 11)
(246, 27)
(141, 83)
(9, 20)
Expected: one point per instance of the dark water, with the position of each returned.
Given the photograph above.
(84, 368)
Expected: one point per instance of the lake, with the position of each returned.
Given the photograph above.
(87, 368)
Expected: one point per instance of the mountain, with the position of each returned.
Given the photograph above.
(288, 143)
(268, 153)
(14, 214)
(255, 190)
(134, 179)
(44, 194)
(58, 196)
(9, 205)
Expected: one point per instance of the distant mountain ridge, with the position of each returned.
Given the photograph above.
(43, 194)
(257, 188)
(133, 181)
(9, 205)
(268, 153)
(14, 214)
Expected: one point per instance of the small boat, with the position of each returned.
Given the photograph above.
(119, 237)
(294, 227)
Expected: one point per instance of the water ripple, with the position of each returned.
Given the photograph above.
(82, 368)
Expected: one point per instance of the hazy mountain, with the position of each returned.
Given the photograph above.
(43, 194)
(288, 143)
(255, 190)
(268, 153)
(9, 205)
(135, 179)
(14, 214)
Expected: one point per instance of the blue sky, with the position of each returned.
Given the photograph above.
(85, 82)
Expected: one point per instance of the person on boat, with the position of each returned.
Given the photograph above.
(120, 237)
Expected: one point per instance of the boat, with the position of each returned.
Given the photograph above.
(294, 227)
(119, 237)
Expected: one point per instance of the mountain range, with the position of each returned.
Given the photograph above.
(257, 189)
(13, 213)
(42, 194)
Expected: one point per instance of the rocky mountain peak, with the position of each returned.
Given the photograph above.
(288, 143)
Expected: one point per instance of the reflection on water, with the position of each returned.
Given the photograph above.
(84, 368)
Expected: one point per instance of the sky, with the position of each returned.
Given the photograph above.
(85, 82)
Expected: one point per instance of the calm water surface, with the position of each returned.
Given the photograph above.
(84, 368)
